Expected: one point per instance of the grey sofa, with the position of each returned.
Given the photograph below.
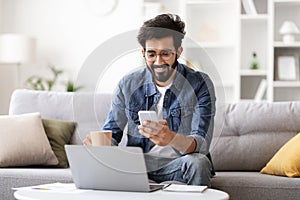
(245, 139)
(246, 136)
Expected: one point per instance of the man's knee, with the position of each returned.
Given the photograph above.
(197, 161)
(196, 169)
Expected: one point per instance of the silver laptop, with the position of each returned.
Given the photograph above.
(109, 168)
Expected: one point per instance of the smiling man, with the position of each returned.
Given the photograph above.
(160, 55)
(176, 147)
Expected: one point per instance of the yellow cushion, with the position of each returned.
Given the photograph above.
(286, 162)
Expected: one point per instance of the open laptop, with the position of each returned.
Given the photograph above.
(109, 168)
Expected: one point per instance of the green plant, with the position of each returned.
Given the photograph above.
(70, 86)
(254, 63)
(41, 83)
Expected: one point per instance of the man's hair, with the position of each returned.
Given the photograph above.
(162, 26)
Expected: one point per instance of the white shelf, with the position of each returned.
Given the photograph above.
(286, 84)
(287, 2)
(208, 2)
(253, 72)
(253, 100)
(246, 17)
(209, 45)
(282, 44)
(224, 84)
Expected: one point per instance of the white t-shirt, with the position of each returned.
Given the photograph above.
(163, 153)
(160, 104)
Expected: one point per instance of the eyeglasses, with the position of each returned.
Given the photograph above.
(164, 54)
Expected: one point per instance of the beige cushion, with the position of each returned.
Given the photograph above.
(23, 141)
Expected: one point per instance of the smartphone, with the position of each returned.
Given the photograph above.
(149, 115)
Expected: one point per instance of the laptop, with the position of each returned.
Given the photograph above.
(109, 168)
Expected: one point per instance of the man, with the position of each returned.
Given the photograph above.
(175, 147)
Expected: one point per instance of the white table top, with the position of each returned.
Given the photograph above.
(209, 194)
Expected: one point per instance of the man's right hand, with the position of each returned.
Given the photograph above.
(87, 141)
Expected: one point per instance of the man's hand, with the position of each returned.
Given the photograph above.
(160, 134)
(87, 141)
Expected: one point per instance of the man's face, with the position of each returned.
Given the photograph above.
(160, 55)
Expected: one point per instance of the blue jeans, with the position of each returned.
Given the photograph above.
(192, 169)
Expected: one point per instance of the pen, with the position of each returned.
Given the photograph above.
(40, 188)
(166, 186)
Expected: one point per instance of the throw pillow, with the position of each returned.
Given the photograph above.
(59, 133)
(24, 141)
(286, 162)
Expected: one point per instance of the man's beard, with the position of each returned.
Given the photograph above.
(163, 76)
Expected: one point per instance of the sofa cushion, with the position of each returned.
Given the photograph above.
(59, 133)
(21, 177)
(88, 110)
(286, 162)
(24, 141)
(252, 132)
(253, 185)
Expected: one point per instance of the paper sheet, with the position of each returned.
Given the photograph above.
(53, 187)
(185, 188)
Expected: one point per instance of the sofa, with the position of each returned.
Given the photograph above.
(246, 137)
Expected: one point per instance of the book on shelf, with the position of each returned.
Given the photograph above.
(249, 7)
(261, 90)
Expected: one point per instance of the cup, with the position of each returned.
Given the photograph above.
(101, 138)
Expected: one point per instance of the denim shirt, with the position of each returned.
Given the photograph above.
(188, 107)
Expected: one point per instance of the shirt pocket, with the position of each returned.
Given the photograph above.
(132, 116)
(182, 118)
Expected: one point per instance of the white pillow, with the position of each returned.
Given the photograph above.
(23, 141)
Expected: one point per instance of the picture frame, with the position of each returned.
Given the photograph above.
(287, 68)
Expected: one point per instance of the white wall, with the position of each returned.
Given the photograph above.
(66, 30)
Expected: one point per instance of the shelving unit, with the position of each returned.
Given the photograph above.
(216, 33)
(221, 38)
(281, 11)
(254, 34)
(211, 43)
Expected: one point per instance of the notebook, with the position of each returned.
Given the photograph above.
(109, 168)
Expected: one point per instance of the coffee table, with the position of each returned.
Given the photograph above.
(209, 194)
